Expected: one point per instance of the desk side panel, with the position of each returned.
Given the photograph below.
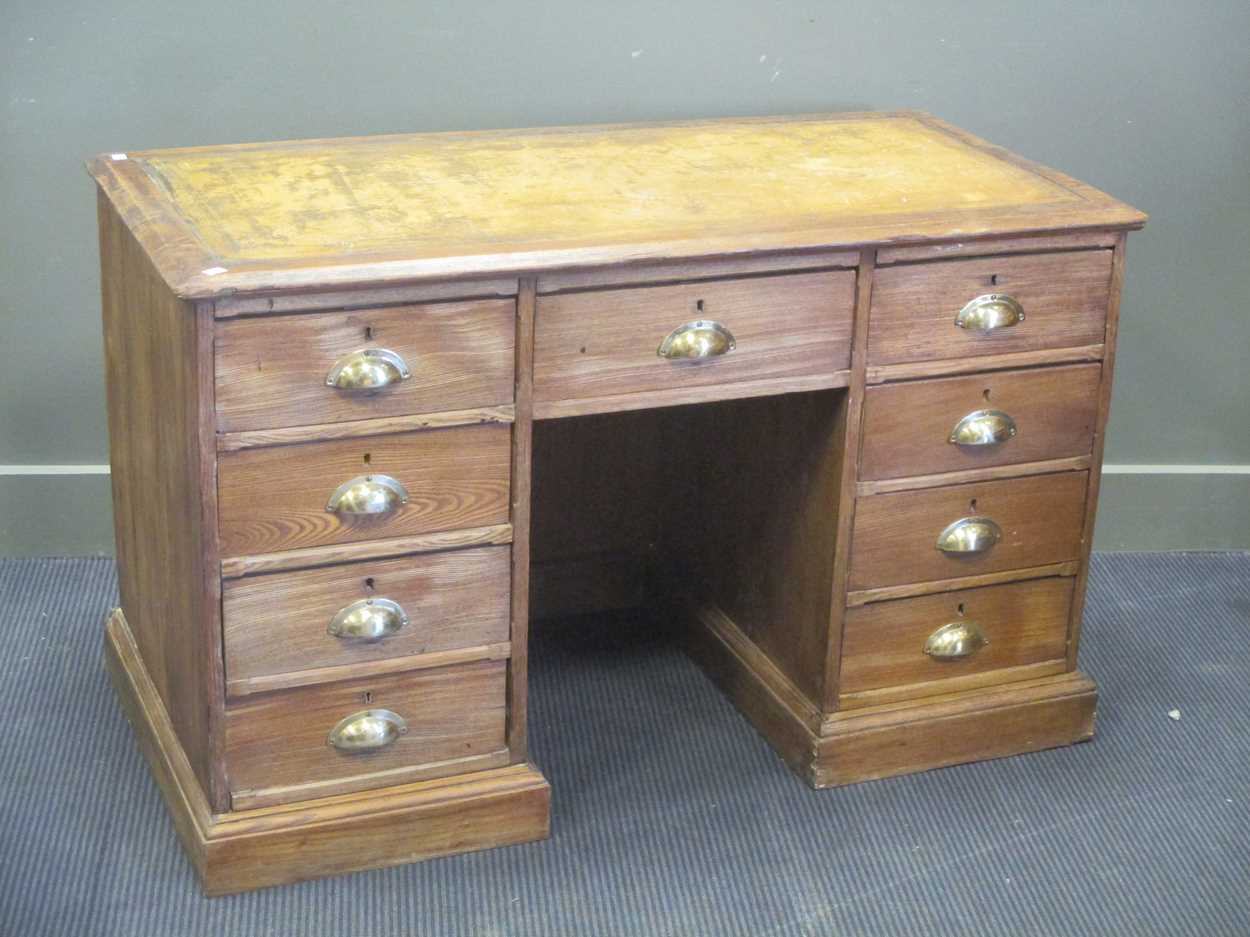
(1100, 438)
(159, 375)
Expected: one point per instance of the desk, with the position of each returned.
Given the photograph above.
(829, 393)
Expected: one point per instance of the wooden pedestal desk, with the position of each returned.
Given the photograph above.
(829, 393)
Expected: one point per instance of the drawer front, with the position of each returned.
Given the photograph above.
(272, 371)
(282, 740)
(895, 536)
(604, 343)
(935, 638)
(289, 622)
(276, 498)
(1047, 413)
(1063, 297)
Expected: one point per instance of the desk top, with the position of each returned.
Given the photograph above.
(298, 215)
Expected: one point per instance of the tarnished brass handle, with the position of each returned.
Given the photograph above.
(368, 620)
(990, 312)
(955, 640)
(367, 494)
(368, 370)
(702, 338)
(983, 428)
(969, 535)
(367, 731)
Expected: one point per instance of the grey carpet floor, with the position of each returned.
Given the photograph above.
(671, 816)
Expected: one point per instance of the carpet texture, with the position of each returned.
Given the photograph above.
(671, 816)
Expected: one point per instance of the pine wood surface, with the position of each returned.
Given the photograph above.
(325, 213)
(783, 500)
(1024, 623)
(894, 538)
(241, 850)
(897, 737)
(271, 371)
(603, 343)
(907, 426)
(279, 740)
(1064, 296)
(160, 388)
(277, 624)
(275, 499)
(1100, 439)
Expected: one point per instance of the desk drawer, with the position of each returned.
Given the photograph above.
(277, 498)
(895, 536)
(272, 371)
(1063, 298)
(1048, 413)
(933, 639)
(278, 744)
(604, 343)
(285, 623)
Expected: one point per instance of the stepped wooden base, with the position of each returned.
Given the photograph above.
(248, 849)
(893, 738)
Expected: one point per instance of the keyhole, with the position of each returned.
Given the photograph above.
(368, 457)
(699, 305)
(368, 333)
(986, 393)
(366, 697)
(994, 279)
(961, 609)
(972, 505)
(369, 583)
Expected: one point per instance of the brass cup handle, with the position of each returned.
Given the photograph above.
(368, 620)
(367, 731)
(367, 495)
(983, 428)
(697, 340)
(990, 312)
(955, 640)
(368, 370)
(969, 535)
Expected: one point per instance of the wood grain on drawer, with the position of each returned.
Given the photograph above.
(1024, 623)
(271, 371)
(281, 740)
(278, 624)
(603, 343)
(275, 498)
(1064, 296)
(907, 426)
(894, 537)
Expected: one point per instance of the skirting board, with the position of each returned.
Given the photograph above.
(71, 515)
(894, 738)
(249, 849)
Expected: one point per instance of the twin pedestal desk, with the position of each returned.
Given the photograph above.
(828, 393)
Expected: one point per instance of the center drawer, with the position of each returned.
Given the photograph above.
(357, 613)
(605, 343)
(372, 487)
(988, 526)
(308, 742)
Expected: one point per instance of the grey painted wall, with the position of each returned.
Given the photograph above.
(1147, 100)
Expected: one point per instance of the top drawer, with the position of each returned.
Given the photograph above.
(606, 342)
(272, 371)
(1063, 298)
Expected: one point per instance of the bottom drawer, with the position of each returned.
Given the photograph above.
(437, 722)
(931, 644)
